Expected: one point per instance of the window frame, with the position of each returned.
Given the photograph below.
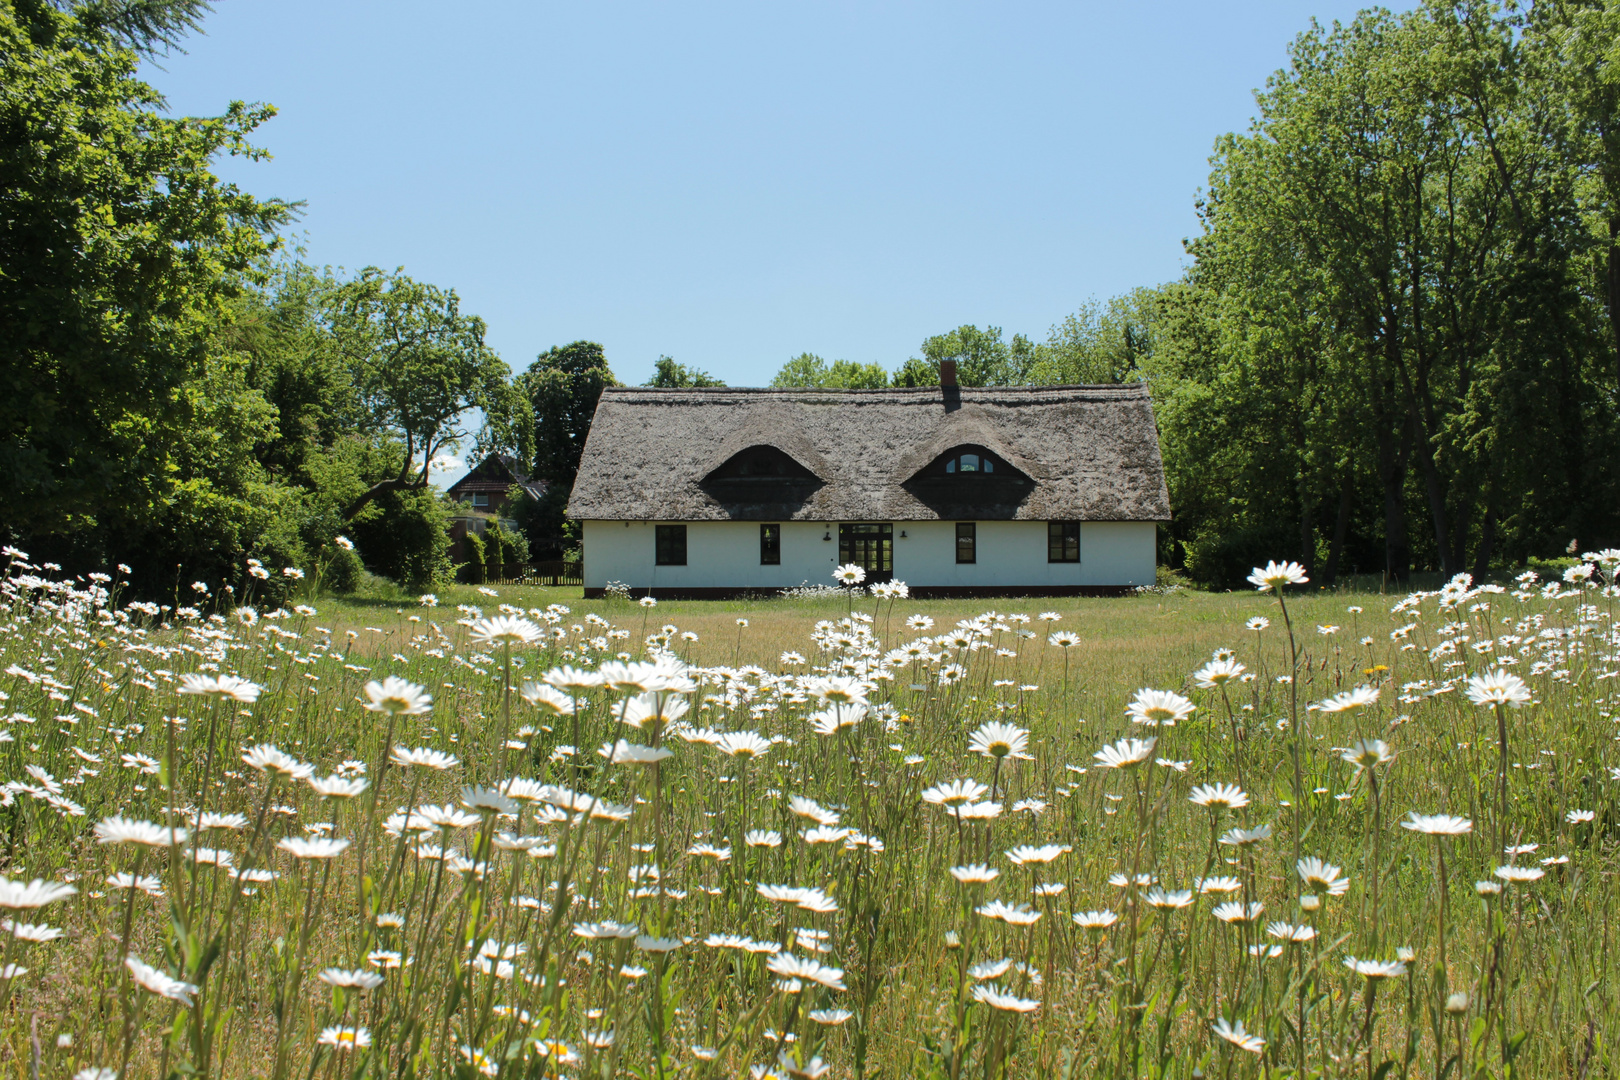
(480, 500)
(770, 545)
(968, 531)
(1059, 535)
(669, 545)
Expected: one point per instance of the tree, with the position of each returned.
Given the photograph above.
(669, 375)
(563, 386)
(419, 367)
(982, 358)
(119, 253)
(808, 369)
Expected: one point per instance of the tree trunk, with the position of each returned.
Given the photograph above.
(1487, 538)
(1341, 525)
(1614, 294)
(1434, 488)
(1393, 447)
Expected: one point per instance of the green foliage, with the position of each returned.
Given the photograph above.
(503, 546)
(405, 535)
(563, 386)
(342, 570)
(982, 358)
(419, 365)
(477, 556)
(667, 374)
(1099, 343)
(808, 369)
(119, 254)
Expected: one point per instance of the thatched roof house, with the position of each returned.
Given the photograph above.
(706, 474)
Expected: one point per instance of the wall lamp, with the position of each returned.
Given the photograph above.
(827, 535)
(902, 534)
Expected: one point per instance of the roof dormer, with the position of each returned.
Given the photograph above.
(969, 463)
(761, 462)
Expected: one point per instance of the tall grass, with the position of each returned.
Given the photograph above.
(952, 850)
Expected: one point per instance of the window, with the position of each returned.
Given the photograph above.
(480, 498)
(966, 542)
(770, 545)
(1062, 541)
(670, 545)
(970, 462)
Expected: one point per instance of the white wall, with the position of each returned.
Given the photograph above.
(725, 554)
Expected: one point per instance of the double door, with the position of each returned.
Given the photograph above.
(869, 546)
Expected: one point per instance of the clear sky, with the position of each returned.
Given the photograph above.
(733, 184)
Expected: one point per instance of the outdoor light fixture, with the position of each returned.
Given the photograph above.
(902, 534)
(827, 535)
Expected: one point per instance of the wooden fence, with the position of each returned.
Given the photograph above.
(552, 572)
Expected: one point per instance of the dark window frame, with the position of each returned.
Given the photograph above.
(984, 463)
(967, 531)
(770, 545)
(1062, 541)
(481, 500)
(669, 545)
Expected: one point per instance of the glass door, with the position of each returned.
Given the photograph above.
(871, 547)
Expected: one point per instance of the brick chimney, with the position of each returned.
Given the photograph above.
(947, 373)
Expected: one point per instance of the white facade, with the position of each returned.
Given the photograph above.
(1010, 554)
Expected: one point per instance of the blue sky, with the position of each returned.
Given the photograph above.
(732, 184)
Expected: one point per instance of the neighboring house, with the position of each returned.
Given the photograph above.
(489, 487)
(955, 491)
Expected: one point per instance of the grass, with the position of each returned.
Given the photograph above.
(795, 912)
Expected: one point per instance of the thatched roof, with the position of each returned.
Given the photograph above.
(1086, 453)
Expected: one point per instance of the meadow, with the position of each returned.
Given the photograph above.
(507, 832)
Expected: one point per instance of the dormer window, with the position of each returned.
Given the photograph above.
(970, 461)
(763, 462)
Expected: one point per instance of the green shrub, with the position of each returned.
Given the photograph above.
(473, 545)
(342, 570)
(405, 535)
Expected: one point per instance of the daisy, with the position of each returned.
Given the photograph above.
(849, 574)
(121, 830)
(151, 979)
(1158, 707)
(345, 1038)
(315, 848)
(628, 753)
(1577, 817)
(997, 998)
(430, 759)
(337, 787)
(35, 894)
(768, 838)
(1245, 837)
(814, 811)
(1368, 753)
(1218, 884)
(504, 630)
(1234, 1034)
(1234, 912)
(830, 1017)
(1125, 753)
(1025, 855)
(1321, 875)
(1160, 898)
(999, 740)
(1095, 920)
(788, 966)
(1217, 673)
(1437, 824)
(547, 699)
(955, 793)
(1012, 916)
(1497, 687)
(1359, 698)
(266, 758)
(222, 686)
(396, 697)
(975, 874)
(573, 681)
(1291, 933)
(1518, 874)
(1258, 623)
(743, 744)
(1064, 639)
(1225, 796)
(1275, 575)
(354, 980)
(1376, 969)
